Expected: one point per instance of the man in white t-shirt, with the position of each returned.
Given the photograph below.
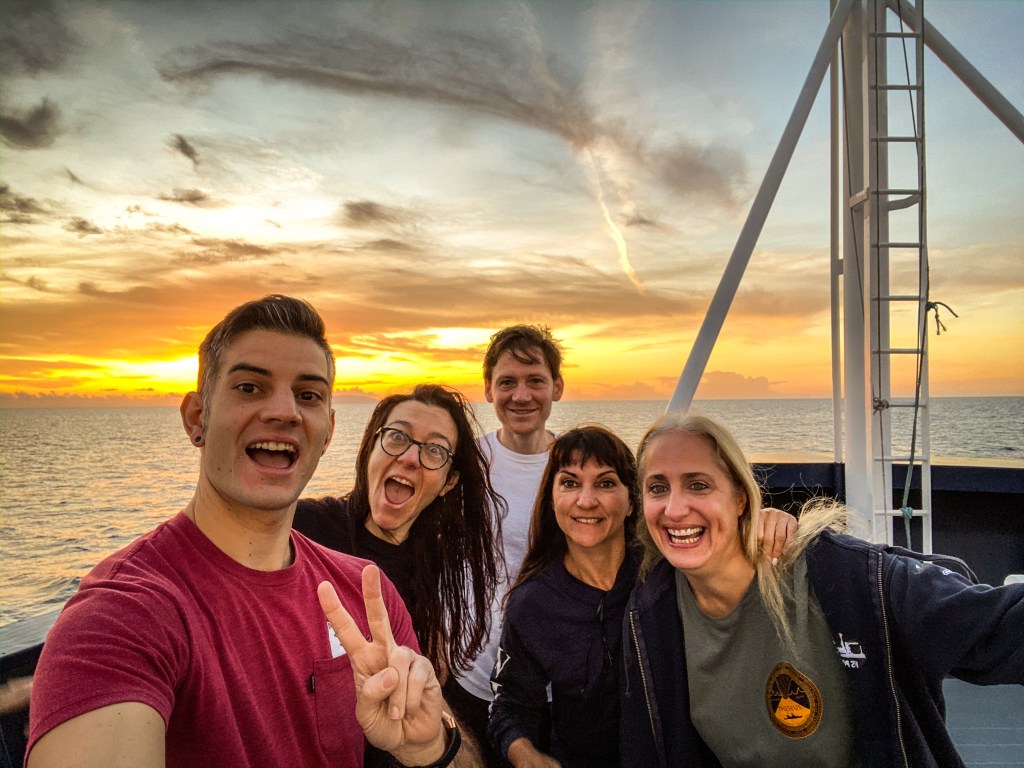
(522, 378)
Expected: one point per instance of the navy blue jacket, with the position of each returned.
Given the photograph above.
(559, 631)
(900, 625)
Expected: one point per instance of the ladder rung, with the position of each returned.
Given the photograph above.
(906, 402)
(918, 461)
(899, 203)
(898, 87)
(888, 139)
(903, 35)
(899, 513)
(898, 245)
(898, 191)
(903, 402)
(900, 297)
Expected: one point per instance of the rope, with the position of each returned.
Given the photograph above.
(934, 306)
(906, 509)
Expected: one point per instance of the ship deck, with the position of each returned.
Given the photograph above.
(986, 723)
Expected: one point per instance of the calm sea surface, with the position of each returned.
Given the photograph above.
(78, 484)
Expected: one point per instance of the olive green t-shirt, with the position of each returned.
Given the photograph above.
(756, 702)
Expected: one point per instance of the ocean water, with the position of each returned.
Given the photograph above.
(78, 484)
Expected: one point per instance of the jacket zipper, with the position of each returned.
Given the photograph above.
(888, 657)
(643, 677)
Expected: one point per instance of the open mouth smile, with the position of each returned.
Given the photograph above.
(398, 490)
(271, 454)
(685, 536)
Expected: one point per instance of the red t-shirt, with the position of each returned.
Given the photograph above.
(238, 662)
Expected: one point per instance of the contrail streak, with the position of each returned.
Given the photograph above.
(593, 172)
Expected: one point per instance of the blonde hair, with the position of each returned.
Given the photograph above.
(816, 515)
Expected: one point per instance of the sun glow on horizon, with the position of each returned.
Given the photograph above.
(554, 173)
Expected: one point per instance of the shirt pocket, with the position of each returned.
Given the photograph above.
(335, 696)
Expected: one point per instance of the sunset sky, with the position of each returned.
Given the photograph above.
(428, 172)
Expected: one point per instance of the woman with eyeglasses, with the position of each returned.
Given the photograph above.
(423, 509)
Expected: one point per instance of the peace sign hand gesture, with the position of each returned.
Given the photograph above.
(398, 698)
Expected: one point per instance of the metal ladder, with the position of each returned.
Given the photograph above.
(899, 273)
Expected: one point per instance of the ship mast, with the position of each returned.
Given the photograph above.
(880, 299)
(885, 275)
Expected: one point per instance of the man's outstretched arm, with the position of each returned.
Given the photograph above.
(127, 735)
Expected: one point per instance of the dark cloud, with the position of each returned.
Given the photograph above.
(136, 208)
(34, 38)
(72, 177)
(154, 230)
(639, 220)
(82, 227)
(190, 196)
(32, 129)
(716, 172)
(501, 76)
(214, 252)
(180, 144)
(17, 218)
(235, 247)
(35, 283)
(389, 245)
(487, 76)
(170, 229)
(88, 288)
(194, 197)
(19, 205)
(366, 213)
(646, 223)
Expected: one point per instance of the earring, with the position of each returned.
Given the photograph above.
(198, 439)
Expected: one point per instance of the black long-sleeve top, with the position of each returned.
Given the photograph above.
(329, 521)
(559, 631)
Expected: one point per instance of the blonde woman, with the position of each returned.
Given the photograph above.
(834, 658)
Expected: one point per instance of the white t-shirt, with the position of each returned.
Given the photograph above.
(516, 477)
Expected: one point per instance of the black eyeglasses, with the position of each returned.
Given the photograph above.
(394, 442)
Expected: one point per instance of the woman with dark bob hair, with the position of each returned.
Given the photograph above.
(563, 615)
(423, 509)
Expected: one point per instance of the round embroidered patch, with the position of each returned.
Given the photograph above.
(793, 702)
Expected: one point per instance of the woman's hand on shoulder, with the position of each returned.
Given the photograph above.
(776, 530)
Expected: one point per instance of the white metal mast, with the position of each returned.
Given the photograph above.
(875, 235)
(885, 273)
